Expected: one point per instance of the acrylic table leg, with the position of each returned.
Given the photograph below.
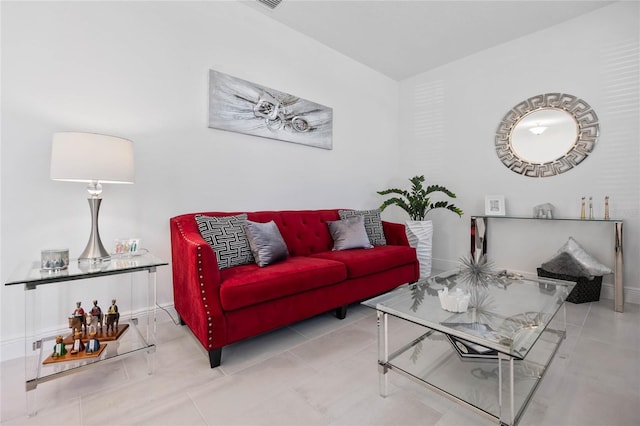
(151, 319)
(33, 348)
(383, 353)
(507, 409)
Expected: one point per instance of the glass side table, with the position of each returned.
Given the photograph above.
(50, 299)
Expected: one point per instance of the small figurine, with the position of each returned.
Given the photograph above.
(590, 207)
(78, 345)
(93, 344)
(582, 211)
(77, 319)
(606, 208)
(97, 312)
(113, 317)
(78, 312)
(59, 349)
(113, 309)
(91, 324)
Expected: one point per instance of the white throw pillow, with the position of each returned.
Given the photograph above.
(583, 258)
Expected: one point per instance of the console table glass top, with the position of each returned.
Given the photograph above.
(571, 219)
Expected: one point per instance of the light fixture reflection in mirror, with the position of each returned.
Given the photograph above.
(546, 135)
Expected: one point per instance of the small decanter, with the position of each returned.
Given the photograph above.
(590, 207)
(582, 215)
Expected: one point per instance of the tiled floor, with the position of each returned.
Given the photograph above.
(323, 372)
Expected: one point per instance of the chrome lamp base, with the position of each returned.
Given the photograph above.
(95, 251)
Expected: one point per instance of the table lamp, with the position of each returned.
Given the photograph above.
(96, 159)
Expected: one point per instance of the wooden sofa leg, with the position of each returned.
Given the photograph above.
(341, 312)
(215, 356)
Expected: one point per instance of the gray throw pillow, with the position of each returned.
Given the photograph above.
(227, 237)
(349, 233)
(372, 224)
(266, 242)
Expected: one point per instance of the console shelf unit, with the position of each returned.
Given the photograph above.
(479, 243)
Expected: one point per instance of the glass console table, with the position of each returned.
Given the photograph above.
(490, 358)
(479, 243)
(134, 333)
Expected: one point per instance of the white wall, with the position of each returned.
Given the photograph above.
(140, 70)
(449, 117)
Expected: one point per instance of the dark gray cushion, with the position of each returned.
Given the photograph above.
(565, 264)
(372, 224)
(227, 237)
(266, 242)
(349, 233)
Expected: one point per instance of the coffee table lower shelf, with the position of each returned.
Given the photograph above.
(483, 385)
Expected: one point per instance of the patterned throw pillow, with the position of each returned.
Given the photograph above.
(266, 242)
(227, 237)
(349, 233)
(372, 224)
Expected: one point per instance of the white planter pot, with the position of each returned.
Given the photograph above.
(420, 235)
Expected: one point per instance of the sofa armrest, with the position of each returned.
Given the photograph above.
(395, 233)
(196, 282)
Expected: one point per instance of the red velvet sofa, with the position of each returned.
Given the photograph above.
(225, 306)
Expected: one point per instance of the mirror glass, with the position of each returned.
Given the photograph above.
(544, 135)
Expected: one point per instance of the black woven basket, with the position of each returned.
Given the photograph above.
(586, 290)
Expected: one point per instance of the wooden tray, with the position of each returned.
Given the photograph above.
(74, 357)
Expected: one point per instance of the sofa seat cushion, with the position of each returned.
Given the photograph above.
(248, 285)
(362, 262)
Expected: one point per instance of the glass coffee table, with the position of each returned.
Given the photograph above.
(490, 358)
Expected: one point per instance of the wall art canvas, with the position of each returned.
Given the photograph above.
(240, 106)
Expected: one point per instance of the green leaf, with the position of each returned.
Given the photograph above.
(417, 202)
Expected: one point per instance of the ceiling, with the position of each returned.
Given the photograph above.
(402, 38)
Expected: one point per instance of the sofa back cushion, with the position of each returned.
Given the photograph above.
(304, 231)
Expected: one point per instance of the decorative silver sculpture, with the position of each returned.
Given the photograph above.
(543, 211)
(477, 272)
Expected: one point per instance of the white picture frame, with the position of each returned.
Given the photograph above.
(494, 205)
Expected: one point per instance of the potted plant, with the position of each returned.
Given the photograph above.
(417, 203)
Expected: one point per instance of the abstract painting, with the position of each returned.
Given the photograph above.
(240, 106)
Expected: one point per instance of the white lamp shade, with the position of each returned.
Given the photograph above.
(89, 157)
